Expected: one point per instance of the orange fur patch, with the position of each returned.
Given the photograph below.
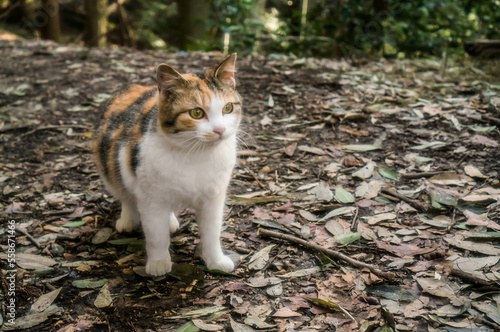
(127, 98)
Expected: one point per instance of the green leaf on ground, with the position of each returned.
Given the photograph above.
(361, 147)
(348, 238)
(343, 195)
(388, 174)
(74, 224)
(89, 283)
(121, 242)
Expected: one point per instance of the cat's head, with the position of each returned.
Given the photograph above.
(199, 110)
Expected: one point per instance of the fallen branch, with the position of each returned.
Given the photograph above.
(330, 252)
(12, 128)
(412, 202)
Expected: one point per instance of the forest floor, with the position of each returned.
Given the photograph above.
(393, 164)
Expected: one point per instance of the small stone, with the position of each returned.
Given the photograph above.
(56, 249)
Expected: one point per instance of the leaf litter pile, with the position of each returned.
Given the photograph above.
(366, 198)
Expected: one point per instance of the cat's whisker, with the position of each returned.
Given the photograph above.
(198, 143)
(188, 141)
(241, 141)
(192, 147)
(244, 133)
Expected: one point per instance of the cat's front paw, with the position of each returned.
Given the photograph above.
(158, 268)
(223, 263)
(126, 225)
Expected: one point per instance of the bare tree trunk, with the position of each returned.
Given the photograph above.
(52, 28)
(193, 14)
(97, 22)
(28, 8)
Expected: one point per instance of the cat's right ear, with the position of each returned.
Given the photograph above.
(167, 77)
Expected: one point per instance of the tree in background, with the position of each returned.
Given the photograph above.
(51, 29)
(96, 23)
(192, 22)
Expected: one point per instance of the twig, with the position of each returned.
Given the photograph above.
(254, 176)
(12, 128)
(492, 119)
(453, 220)
(412, 202)
(332, 253)
(48, 127)
(31, 238)
(355, 221)
(58, 212)
(9, 9)
(469, 277)
(419, 175)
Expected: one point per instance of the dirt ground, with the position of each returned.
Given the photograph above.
(366, 198)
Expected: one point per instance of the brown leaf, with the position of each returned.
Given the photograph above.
(312, 150)
(436, 287)
(260, 213)
(290, 149)
(404, 250)
(478, 220)
(350, 161)
(286, 312)
(483, 140)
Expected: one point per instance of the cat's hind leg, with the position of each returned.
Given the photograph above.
(174, 223)
(129, 218)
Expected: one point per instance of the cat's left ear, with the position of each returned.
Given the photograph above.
(167, 76)
(225, 71)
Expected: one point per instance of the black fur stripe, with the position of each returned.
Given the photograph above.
(104, 145)
(134, 157)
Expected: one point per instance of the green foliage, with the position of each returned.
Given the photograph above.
(405, 28)
(152, 22)
(329, 28)
(358, 27)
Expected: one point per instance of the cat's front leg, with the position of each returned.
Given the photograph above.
(209, 219)
(156, 226)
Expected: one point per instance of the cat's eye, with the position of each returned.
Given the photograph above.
(228, 108)
(197, 113)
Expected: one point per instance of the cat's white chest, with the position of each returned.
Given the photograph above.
(184, 179)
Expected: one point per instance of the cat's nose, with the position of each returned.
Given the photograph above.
(219, 131)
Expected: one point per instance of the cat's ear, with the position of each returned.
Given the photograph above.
(226, 69)
(167, 76)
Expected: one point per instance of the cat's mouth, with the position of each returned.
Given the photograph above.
(213, 138)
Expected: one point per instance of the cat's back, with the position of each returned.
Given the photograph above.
(124, 120)
(127, 103)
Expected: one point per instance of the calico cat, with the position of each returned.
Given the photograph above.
(165, 147)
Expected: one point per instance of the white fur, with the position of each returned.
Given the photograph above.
(178, 171)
